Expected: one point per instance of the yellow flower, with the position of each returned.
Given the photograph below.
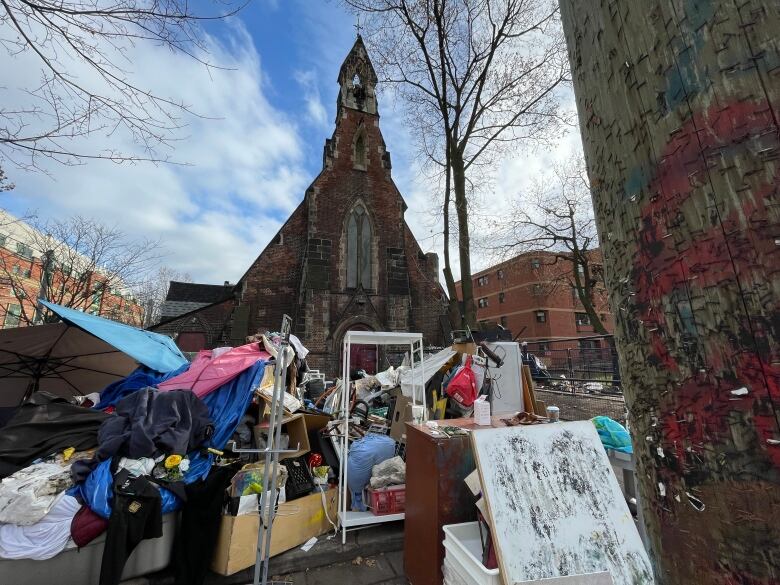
(172, 461)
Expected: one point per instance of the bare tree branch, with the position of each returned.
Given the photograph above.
(82, 47)
(556, 215)
(86, 265)
(477, 77)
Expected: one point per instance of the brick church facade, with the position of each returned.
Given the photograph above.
(345, 259)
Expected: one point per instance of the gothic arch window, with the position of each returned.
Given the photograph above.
(358, 248)
(361, 150)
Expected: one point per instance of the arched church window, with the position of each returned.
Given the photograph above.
(360, 151)
(358, 249)
(356, 81)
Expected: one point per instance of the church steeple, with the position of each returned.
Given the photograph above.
(357, 80)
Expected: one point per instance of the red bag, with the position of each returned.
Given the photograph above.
(463, 386)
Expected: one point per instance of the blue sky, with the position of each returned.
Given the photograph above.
(250, 158)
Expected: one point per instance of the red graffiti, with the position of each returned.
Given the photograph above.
(731, 248)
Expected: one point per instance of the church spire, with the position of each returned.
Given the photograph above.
(357, 80)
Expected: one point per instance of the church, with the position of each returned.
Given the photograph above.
(344, 260)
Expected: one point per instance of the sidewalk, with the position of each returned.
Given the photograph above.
(379, 570)
(371, 556)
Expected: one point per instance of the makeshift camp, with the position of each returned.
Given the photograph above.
(159, 467)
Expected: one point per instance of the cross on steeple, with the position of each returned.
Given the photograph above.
(357, 26)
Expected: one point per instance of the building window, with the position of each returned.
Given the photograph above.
(590, 344)
(541, 347)
(504, 321)
(3, 239)
(500, 275)
(541, 316)
(358, 249)
(27, 273)
(536, 263)
(13, 314)
(501, 297)
(360, 150)
(23, 250)
(581, 319)
(16, 269)
(482, 281)
(483, 302)
(537, 290)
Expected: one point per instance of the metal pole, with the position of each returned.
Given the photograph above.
(271, 468)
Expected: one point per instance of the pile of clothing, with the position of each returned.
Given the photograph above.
(70, 473)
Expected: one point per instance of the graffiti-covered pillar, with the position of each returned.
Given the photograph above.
(679, 102)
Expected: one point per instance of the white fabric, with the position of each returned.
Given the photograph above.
(300, 350)
(42, 540)
(218, 351)
(28, 495)
(432, 365)
(136, 467)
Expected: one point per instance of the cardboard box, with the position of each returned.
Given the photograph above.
(293, 426)
(295, 523)
(401, 415)
(469, 348)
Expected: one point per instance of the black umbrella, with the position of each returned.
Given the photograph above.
(59, 358)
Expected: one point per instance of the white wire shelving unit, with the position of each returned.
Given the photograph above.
(348, 519)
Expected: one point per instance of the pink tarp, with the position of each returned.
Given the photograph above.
(213, 368)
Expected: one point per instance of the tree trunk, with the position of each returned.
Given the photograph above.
(678, 103)
(464, 242)
(453, 306)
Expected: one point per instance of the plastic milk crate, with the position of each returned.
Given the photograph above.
(389, 500)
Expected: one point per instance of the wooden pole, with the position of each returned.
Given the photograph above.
(679, 102)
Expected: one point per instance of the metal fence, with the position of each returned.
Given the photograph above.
(579, 378)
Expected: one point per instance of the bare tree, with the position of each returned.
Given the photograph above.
(152, 292)
(556, 215)
(85, 86)
(78, 263)
(4, 184)
(477, 76)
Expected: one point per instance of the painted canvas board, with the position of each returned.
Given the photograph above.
(555, 505)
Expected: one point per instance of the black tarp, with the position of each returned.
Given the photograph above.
(43, 425)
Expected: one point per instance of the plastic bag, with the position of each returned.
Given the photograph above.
(463, 386)
(613, 435)
(363, 455)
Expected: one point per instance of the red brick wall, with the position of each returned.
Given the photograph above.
(527, 290)
(61, 292)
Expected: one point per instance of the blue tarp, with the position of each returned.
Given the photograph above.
(141, 377)
(613, 435)
(226, 405)
(153, 350)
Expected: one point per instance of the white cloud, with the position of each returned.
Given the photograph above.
(244, 158)
(315, 110)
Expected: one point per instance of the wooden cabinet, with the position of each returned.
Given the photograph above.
(435, 496)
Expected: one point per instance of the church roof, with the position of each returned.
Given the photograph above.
(192, 292)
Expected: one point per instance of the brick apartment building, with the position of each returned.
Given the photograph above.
(344, 260)
(21, 272)
(530, 295)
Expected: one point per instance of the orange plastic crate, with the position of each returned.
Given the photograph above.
(389, 500)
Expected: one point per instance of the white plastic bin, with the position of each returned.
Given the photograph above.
(463, 556)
